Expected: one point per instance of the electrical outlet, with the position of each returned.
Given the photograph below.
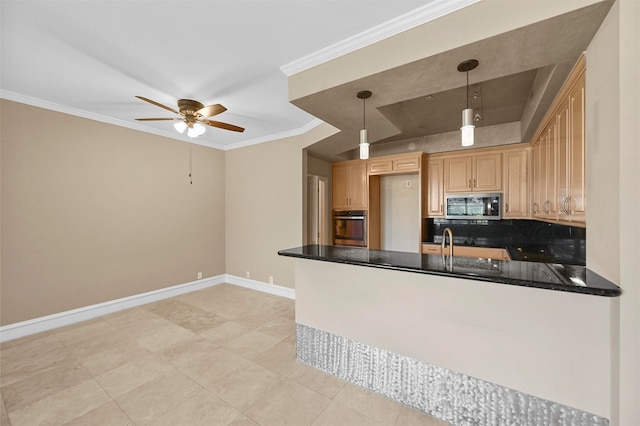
(247, 274)
(199, 275)
(270, 279)
(407, 183)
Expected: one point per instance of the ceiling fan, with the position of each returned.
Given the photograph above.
(192, 113)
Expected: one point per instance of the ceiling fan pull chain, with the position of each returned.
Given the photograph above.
(190, 165)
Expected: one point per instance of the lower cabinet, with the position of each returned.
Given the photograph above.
(466, 251)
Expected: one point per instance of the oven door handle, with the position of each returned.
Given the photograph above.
(349, 217)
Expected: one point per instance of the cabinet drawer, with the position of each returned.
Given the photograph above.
(406, 164)
(380, 166)
(481, 252)
(431, 249)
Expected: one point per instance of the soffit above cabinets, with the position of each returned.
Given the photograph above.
(519, 74)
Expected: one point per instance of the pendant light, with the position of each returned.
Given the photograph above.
(364, 143)
(467, 115)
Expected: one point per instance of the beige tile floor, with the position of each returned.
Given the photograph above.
(220, 356)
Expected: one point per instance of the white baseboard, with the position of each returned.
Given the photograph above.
(61, 319)
(274, 289)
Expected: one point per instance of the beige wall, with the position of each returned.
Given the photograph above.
(93, 212)
(265, 193)
(613, 166)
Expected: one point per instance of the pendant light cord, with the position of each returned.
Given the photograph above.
(467, 89)
(364, 117)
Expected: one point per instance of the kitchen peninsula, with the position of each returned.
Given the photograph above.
(471, 341)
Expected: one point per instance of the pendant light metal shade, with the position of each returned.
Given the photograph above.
(364, 142)
(467, 128)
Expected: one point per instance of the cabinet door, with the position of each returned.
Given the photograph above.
(577, 203)
(380, 166)
(515, 184)
(487, 172)
(457, 174)
(358, 190)
(549, 206)
(563, 139)
(539, 180)
(411, 164)
(340, 187)
(435, 195)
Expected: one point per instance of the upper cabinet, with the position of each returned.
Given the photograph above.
(435, 187)
(473, 173)
(395, 164)
(559, 182)
(571, 159)
(350, 191)
(515, 182)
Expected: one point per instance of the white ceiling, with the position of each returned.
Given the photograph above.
(90, 58)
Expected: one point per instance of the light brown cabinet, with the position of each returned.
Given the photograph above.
(474, 173)
(435, 188)
(571, 156)
(516, 184)
(544, 181)
(559, 181)
(395, 164)
(350, 191)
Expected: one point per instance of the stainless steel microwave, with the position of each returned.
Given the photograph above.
(474, 206)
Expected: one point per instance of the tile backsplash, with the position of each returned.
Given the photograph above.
(568, 243)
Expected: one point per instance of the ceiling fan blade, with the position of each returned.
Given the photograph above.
(221, 125)
(211, 110)
(158, 119)
(157, 104)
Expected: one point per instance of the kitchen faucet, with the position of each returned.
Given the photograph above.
(444, 240)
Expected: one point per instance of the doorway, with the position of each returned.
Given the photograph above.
(318, 208)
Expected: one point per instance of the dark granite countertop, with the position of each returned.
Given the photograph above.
(550, 276)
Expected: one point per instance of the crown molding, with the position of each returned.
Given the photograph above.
(433, 10)
(282, 135)
(40, 103)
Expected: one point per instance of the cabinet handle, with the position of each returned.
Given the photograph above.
(470, 184)
(571, 203)
(507, 207)
(474, 182)
(440, 208)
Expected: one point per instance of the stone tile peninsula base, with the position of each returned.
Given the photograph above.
(450, 396)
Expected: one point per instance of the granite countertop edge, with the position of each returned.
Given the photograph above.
(595, 284)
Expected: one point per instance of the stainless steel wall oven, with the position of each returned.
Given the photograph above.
(350, 228)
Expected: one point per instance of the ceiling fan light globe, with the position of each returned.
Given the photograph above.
(180, 126)
(199, 128)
